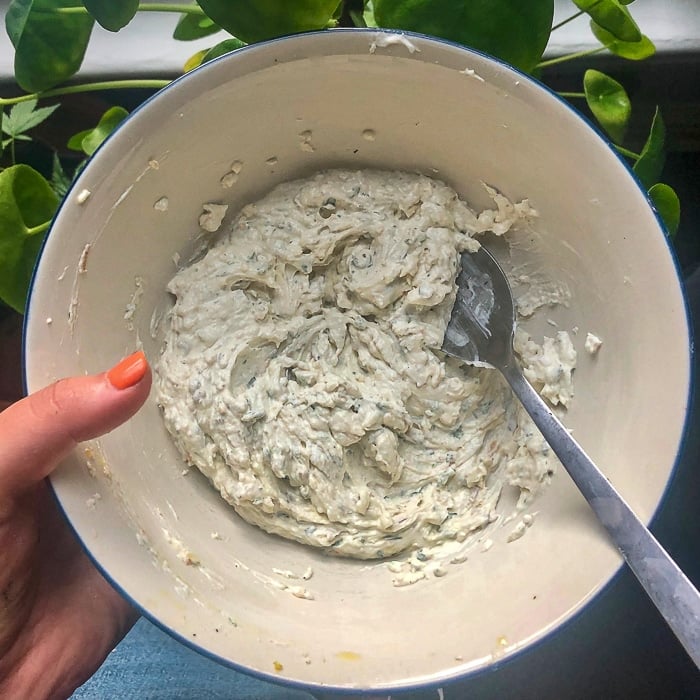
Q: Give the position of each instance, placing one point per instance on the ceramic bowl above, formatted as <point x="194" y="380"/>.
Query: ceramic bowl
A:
<point x="368" y="99"/>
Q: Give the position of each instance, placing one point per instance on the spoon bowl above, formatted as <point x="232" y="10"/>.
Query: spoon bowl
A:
<point x="481" y="327"/>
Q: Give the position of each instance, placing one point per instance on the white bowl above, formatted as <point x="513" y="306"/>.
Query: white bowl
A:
<point x="437" y="108"/>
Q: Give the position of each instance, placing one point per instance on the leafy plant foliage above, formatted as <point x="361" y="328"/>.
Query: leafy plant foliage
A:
<point x="27" y="203"/>
<point x="191" y="27"/>
<point x="256" y="20"/>
<point x="112" y="14"/>
<point x="512" y="30"/>
<point x="89" y="140"/>
<point x="613" y="17"/>
<point x="666" y="203"/>
<point x="609" y="103"/>
<point x="49" y="44"/>
<point x="50" y="38"/>
<point x="21" y="118"/>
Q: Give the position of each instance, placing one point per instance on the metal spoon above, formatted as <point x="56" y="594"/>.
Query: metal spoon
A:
<point x="480" y="332"/>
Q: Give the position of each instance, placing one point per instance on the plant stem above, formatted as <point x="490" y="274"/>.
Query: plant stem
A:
<point x="357" y="19"/>
<point x="37" y="229"/>
<point x="571" y="94"/>
<point x="180" y="8"/>
<point x="568" y="19"/>
<point x="12" y="152"/>
<point x="570" y="57"/>
<point x="627" y="152"/>
<point x="86" y="87"/>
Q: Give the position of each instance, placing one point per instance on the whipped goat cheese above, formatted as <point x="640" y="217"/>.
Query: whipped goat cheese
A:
<point x="301" y="370"/>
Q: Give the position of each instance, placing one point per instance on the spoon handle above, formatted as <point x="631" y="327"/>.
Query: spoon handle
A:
<point x="668" y="587"/>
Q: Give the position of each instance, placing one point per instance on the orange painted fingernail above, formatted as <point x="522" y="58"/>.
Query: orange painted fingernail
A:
<point x="129" y="371"/>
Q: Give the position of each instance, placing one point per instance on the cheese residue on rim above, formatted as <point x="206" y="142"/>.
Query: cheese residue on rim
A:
<point x="301" y="373"/>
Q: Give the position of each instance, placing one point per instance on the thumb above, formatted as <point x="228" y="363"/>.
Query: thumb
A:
<point x="37" y="432"/>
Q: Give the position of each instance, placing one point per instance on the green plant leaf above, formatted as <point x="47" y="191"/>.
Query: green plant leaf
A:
<point x="368" y="14"/>
<point x="192" y="27"/>
<point x="666" y="202"/>
<point x="338" y="12"/>
<point x="257" y="20"/>
<point x="653" y="156"/>
<point x="362" y="16"/>
<point x="223" y="47"/>
<point x="89" y="140"/>
<point x="358" y="18"/>
<point x="27" y="204"/>
<point x="516" y="31"/>
<point x="60" y="182"/>
<point x="19" y="137"/>
<point x="49" y="46"/>
<point x="75" y="142"/>
<point x="613" y="16"/>
<point x="609" y="102"/>
<point x="107" y="124"/>
<point x="112" y="14"/>
<point x="24" y="116"/>
<point x="194" y="61"/>
<point x="631" y="50"/>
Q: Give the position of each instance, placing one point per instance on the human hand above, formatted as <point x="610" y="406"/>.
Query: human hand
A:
<point x="58" y="617"/>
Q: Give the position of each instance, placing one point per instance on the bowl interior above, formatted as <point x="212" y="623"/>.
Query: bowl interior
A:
<point x="416" y="105"/>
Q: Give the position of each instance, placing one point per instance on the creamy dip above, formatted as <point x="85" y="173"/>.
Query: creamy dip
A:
<point x="302" y="374"/>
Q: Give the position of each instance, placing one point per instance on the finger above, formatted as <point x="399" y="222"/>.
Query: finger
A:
<point x="40" y="430"/>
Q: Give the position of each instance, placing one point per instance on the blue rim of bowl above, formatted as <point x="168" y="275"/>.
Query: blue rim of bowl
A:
<point x="535" y="644"/>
